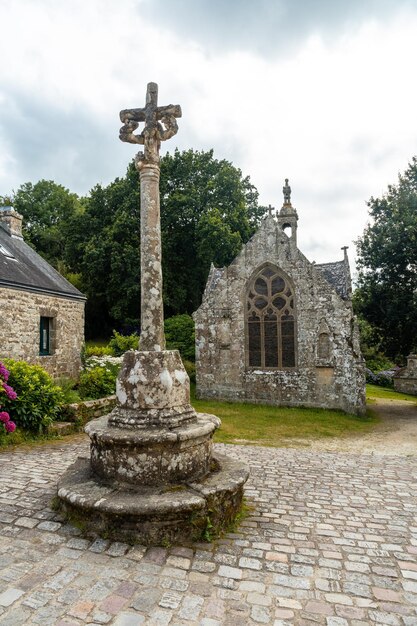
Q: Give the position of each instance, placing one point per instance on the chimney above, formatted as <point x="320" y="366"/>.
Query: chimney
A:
<point x="12" y="221"/>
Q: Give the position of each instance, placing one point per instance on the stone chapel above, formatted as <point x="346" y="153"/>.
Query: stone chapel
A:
<point x="275" y="328"/>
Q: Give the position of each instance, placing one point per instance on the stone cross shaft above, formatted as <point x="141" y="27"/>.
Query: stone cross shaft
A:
<point x="160" y="124"/>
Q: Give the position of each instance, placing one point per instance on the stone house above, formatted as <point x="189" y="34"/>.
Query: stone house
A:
<point x="276" y="328"/>
<point x="41" y="313"/>
<point x="405" y="379"/>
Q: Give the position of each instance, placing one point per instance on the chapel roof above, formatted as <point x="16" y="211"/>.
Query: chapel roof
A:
<point x="24" y="269"/>
<point x="337" y="275"/>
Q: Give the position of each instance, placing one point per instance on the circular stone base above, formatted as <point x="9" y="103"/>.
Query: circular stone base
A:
<point x="152" y="456"/>
<point x="153" y="515"/>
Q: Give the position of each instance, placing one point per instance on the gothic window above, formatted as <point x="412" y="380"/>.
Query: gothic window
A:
<point x="270" y="320"/>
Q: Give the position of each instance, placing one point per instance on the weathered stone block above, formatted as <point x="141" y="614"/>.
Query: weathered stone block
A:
<point x="153" y="515"/>
<point x="152" y="388"/>
<point x="152" y="456"/>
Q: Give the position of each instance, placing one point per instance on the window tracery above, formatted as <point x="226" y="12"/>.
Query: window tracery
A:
<point x="271" y="320"/>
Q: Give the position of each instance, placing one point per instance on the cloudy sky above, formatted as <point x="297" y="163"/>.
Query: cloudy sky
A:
<point x="320" y="91"/>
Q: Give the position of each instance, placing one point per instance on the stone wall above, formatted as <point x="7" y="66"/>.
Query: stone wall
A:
<point x="87" y="410"/>
<point x="19" y="330"/>
<point x="405" y="380"/>
<point x="337" y="381"/>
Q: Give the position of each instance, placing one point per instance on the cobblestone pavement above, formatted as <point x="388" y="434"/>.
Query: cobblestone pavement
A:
<point x="331" y="539"/>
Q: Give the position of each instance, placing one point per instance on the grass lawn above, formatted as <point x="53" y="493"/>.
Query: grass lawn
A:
<point x="270" y="425"/>
<point x="373" y="391"/>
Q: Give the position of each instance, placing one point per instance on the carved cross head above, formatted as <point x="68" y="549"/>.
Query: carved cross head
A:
<point x="160" y="125"/>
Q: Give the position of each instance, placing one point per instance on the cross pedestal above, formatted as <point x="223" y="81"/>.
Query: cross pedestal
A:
<point x="152" y="476"/>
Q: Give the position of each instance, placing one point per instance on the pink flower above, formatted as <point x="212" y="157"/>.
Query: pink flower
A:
<point x="4" y="373"/>
<point x="4" y="417"/>
<point x="10" y="392"/>
<point x="10" y="427"/>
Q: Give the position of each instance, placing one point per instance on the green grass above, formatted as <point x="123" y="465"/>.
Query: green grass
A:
<point x="22" y="438"/>
<point x="271" y="426"/>
<point x="373" y="391"/>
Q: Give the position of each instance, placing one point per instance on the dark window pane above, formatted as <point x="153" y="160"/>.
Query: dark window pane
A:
<point x="254" y="332"/>
<point x="287" y="343"/>
<point x="254" y="359"/>
<point x="44" y="335"/>
<point x="279" y="303"/>
<point x="261" y="287"/>
<point x="271" y="344"/>
<point x="278" y="285"/>
<point x="268" y="272"/>
<point x="260" y="303"/>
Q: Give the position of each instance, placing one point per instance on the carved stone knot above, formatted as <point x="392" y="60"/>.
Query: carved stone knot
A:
<point x="160" y="125"/>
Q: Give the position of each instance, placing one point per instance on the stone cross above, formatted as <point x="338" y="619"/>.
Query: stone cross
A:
<point x="160" y="124"/>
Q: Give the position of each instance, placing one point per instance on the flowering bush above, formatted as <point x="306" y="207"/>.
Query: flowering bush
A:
<point x="98" y="379"/>
<point x="39" y="398"/>
<point x="6" y="392"/>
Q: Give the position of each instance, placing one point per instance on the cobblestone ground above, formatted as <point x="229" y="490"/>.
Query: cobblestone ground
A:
<point x="331" y="539"/>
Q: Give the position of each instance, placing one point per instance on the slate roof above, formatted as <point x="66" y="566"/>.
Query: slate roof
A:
<point x="337" y="275"/>
<point x="28" y="271"/>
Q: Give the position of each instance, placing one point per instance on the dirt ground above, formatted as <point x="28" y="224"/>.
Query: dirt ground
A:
<point x="395" y="435"/>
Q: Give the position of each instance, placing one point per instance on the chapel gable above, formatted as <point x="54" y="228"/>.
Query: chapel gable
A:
<point x="274" y="327"/>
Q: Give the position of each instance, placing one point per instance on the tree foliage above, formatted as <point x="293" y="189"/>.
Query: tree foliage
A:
<point x="104" y="249"/>
<point x="387" y="262"/>
<point x="208" y="210"/>
<point x="47" y="209"/>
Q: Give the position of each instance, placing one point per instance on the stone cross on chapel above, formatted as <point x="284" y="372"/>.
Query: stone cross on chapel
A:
<point x="160" y="125"/>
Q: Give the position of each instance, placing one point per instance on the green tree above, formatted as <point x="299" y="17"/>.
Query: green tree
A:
<point x="104" y="249"/>
<point x="47" y="209"/>
<point x="387" y="263"/>
<point x="207" y="211"/>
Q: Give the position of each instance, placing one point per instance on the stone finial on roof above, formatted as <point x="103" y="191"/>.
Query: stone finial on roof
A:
<point x="286" y="190"/>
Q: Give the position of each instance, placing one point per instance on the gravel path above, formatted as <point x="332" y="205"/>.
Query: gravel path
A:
<point x="396" y="434"/>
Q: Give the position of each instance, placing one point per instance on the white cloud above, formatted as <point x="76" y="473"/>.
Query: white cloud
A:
<point x="337" y="116"/>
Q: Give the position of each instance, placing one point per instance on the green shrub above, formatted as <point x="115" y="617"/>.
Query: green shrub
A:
<point x="119" y="344"/>
<point x="99" y="351"/>
<point x="179" y="335"/>
<point x="39" y="399"/>
<point x="190" y="368"/>
<point x="97" y="382"/>
<point x="376" y="361"/>
<point x="68" y="388"/>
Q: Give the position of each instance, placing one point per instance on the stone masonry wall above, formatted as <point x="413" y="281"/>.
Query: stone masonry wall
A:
<point x="335" y="382"/>
<point x="19" y="330"/>
<point x="405" y="379"/>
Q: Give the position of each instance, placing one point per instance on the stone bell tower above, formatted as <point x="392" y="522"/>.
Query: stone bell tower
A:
<point x="287" y="217"/>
